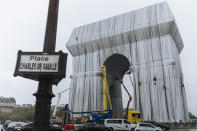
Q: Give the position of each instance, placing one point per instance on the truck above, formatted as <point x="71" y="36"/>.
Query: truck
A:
<point x="132" y="115"/>
<point x="94" y="116"/>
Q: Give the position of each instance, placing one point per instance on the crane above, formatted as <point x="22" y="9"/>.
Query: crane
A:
<point x="132" y="115"/>
<point x="130" y="71"/>
<point x="58" y="100"/>
<point x="106" y="95"/>
<point x="130" y="98"/>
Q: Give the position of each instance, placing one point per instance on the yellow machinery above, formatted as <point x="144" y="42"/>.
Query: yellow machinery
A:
<point x="98" y="116"/>
<point x="106" y="95"/>
<point x="134" y="116"/>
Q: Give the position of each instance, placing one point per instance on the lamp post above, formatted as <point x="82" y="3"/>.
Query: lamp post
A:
<point x="44" y="93"/>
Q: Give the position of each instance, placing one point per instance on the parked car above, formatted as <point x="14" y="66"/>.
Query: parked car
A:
<point x="147" y="127"/>
<point x="66" y="127"/>
<point x="119" y="124"/>
<point x="91" y="127"/>
<point x="15" y="126"/>
<point x="7" y="122"/>
<point x="161" y="125"/>
<point x="29" y="127"/>
<point x="1" y="127"/>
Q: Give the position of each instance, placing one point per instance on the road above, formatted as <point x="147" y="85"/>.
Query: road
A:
<point x="169" y="130"/>
<point x="183" y="130"/>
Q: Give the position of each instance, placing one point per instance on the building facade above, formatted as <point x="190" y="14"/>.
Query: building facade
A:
<point x="7" y="102"/>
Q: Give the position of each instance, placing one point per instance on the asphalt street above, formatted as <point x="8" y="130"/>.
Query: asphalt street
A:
<point x="170" y="130"/>
<point x="183" y="130"/>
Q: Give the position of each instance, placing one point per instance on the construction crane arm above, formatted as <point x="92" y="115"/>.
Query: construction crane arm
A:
<point x="130" y="98"/>
<point x="58" y="100"/>
<point x="64" y="91"/>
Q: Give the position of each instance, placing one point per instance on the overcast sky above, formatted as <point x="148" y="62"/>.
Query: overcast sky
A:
<point x="22" y="27"/>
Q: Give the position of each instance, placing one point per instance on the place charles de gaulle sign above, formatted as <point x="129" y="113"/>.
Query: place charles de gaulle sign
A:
<point x="37" y="65"/>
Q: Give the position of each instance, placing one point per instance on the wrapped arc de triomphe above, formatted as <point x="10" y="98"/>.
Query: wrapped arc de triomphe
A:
<point x="147" y="40"/>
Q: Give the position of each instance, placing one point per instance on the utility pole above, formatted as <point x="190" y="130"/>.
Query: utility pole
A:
<point x="44" y="93"/>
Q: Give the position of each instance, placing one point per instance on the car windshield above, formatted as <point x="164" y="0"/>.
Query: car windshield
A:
<point x="19" y="124"/>
<point x="29" y="124"/>
<point x="136" y="115"/>
<point x="146" y="125"/>
<point x="11" y="124"/>
<point x="154" y="122"/>
<point x="89" y="124"/>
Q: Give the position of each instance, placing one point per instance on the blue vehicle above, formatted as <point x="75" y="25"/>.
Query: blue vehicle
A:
<point x="99" y="116"/>
<point x="95" y="116"/>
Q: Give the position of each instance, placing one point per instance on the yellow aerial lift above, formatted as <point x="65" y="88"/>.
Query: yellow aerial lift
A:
<point x="132" y="115"/>
<point x="106" y="95"/>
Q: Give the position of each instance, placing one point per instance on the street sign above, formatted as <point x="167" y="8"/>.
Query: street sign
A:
<point x="36" y="65"/>
<point x="39" y="63"/>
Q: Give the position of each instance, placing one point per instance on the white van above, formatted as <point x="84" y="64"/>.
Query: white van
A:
<point x="119" y="124"/>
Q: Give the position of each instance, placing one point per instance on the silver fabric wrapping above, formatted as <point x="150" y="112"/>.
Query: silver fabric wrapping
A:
<point x="150" y="40"/>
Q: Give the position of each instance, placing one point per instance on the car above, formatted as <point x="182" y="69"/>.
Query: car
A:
<point x="68" y="126"/>
<point x="91" y="127"/>
<point x="119" y="124"/>
<point x="15" y="126"/>
<point x="147" y="127"/>
<point x="1" y="127"/>
<point x="161" y="125"/>
<point x="29" y="127"/>
<point x="7" y="122"/>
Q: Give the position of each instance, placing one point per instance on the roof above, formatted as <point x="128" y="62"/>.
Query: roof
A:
<point x="7" y="100"/>
<point x="152" y="21"/>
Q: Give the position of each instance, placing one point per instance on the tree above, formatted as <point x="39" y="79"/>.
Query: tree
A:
<point x="18" y="114"/>
<point x="4" y="115"/>
<point x="192" y="116"/>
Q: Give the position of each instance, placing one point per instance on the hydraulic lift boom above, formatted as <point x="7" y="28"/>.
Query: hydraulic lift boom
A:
<point x="58" y="100"/>
<point x="130" y="98"/>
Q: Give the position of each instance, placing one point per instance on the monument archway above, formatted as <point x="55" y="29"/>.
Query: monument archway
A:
<point x="149" y="39"/>
<point x="116" y="66"/>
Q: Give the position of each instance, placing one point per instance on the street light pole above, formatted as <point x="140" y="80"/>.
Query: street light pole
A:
<point x="44" y="93"/>
<point x="51" y="27"/>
